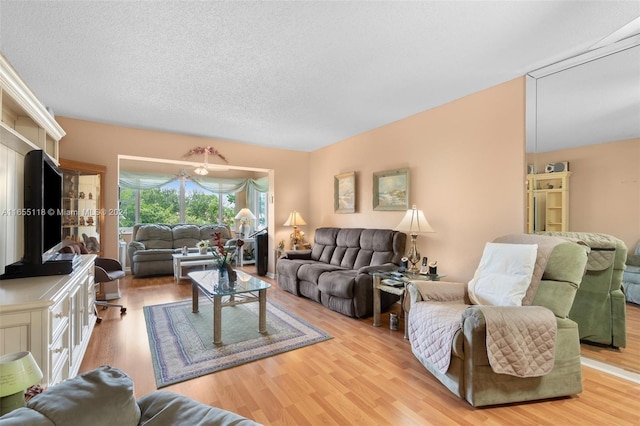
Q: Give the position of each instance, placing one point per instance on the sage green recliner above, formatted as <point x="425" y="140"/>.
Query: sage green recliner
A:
<point x="469" y="372"/>
<point x="600" y="306"/>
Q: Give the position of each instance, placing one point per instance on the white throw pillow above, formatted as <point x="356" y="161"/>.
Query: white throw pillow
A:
<point x="504" y="274"/>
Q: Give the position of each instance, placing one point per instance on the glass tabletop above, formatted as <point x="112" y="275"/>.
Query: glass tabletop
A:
<point x="406" y="276"/>
<point x="245" y="283"/>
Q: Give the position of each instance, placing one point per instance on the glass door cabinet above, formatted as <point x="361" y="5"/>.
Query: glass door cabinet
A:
<point x="82" y="203"/>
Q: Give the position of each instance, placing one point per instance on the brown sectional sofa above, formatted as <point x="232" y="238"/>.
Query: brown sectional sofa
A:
<point x="336" y="271"/>
<point x="153" y="244"/>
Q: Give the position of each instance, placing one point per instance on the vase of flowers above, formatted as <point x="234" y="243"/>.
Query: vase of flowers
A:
<point x="226" y="275"/>
<point x="203" y="246"/>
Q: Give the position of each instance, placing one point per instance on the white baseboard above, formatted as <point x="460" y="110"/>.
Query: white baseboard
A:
<point x="610" y="369"/>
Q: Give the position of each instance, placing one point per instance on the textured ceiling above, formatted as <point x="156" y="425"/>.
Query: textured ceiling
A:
<point x="297" y="75"/>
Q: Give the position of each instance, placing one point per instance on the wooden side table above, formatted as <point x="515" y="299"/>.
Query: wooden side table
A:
<point x="379" y="286"/>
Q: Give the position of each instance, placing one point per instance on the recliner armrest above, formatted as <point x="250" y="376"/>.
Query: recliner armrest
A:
<point x="386" y="267"/>
<point x="435" y="291"/>
<point x="136" y="245"/>
<point x="297" y="254"/>
<point x="442" y="291"/>
<point x="133" y="247"/>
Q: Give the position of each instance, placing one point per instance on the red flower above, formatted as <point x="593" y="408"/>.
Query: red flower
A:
<point x="217" y="242"/>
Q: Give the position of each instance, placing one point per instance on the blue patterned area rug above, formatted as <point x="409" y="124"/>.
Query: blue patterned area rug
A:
<point x="182" y="346"/>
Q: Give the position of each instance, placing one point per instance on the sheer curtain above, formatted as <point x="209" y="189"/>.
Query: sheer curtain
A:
<point x="137" y="180"/>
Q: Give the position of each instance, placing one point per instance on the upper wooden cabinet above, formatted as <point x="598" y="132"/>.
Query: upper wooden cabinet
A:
<point x="25" y="123"/>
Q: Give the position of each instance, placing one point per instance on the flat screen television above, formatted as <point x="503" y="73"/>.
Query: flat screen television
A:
<point x="42" y="214"/>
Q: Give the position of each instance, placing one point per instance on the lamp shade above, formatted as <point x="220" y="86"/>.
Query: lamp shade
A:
<point x="18" y="371"/>
<point x="245" y="214"/>
<point x="295" y="219"/>
<point x="414" y="222"/>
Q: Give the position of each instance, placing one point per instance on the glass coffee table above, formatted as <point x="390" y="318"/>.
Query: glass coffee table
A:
<point x="247" y="289"/>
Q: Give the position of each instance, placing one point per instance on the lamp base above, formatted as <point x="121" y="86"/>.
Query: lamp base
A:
<point x="413" y="255"/>
<point x="242" y="231"/>
<point x="11" y="402"/>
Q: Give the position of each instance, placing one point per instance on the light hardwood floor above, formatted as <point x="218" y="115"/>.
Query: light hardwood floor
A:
<point x="627" y="358"/>
<point x="365" y="375"/>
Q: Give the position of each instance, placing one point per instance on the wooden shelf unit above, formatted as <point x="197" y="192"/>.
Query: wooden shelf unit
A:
<point x="548" y="202"/>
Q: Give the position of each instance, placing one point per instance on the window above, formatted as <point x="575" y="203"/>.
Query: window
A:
<point x="180" y="200"/>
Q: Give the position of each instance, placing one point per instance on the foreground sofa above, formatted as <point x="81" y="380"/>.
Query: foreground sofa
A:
<point x="449" y="334"/>
<point x="600" y="307"/>
<point x="104" y="397"/>
<point x="337" y="270"/>
<point x="153" y="244"/>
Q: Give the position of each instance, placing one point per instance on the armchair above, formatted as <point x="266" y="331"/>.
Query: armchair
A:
<point x="525" y="348"/>
<point x="599" y="308"/>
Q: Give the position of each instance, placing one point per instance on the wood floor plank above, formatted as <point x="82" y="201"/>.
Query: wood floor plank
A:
<point x="364" y="375"/>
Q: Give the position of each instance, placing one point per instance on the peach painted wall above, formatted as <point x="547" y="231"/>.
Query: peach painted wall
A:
<point x="99" y="143"/>
<point x="450" y="150"/>
<point x="466" y="161"/>
<point x="604" y="187"/>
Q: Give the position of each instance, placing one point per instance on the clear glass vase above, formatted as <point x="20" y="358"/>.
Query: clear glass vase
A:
<point x="223" y="277"/>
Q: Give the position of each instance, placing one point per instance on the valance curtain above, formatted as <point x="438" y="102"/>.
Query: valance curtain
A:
<point x="135" y="180"/>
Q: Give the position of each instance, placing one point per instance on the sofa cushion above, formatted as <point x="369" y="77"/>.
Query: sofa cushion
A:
<point x="162" y="408"/>
<point x="154" y="255"/>
<point x="376" y="247"/>
<point x="155" y="236"/>
<point x="503" y="275"/>
<point x="25" y="416"/>
<point x="207" y="231"/>
<point x="103" y="396"/>
<point x="185" y="235"/>
<point x="324" y="244"/>
<point x="338" y="283"/>
<point x="312" y="271"/>
<point x="348" y="246"/>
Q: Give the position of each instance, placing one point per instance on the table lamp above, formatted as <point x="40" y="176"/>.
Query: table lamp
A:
<point x="244" y="216"/>
<point x="414" y="222"/>
<point x="295" y="219"/>
<point x="18" y="371"/>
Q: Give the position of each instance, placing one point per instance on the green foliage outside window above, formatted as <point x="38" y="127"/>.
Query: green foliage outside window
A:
<point x="127" y="207"/>
<point x="201" y="208"/>
<point x="163" y="206"/>
<point x="159" y="206"/>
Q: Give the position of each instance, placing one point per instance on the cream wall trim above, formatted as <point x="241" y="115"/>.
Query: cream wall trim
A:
<point x="13" y="85"/>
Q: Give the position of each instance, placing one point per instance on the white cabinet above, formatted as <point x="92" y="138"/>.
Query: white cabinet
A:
<point x="51" y="317"/>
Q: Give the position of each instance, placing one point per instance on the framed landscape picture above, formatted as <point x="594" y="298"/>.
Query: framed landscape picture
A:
<point x="391" y="190"/>
<point x="344" y="193"/>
